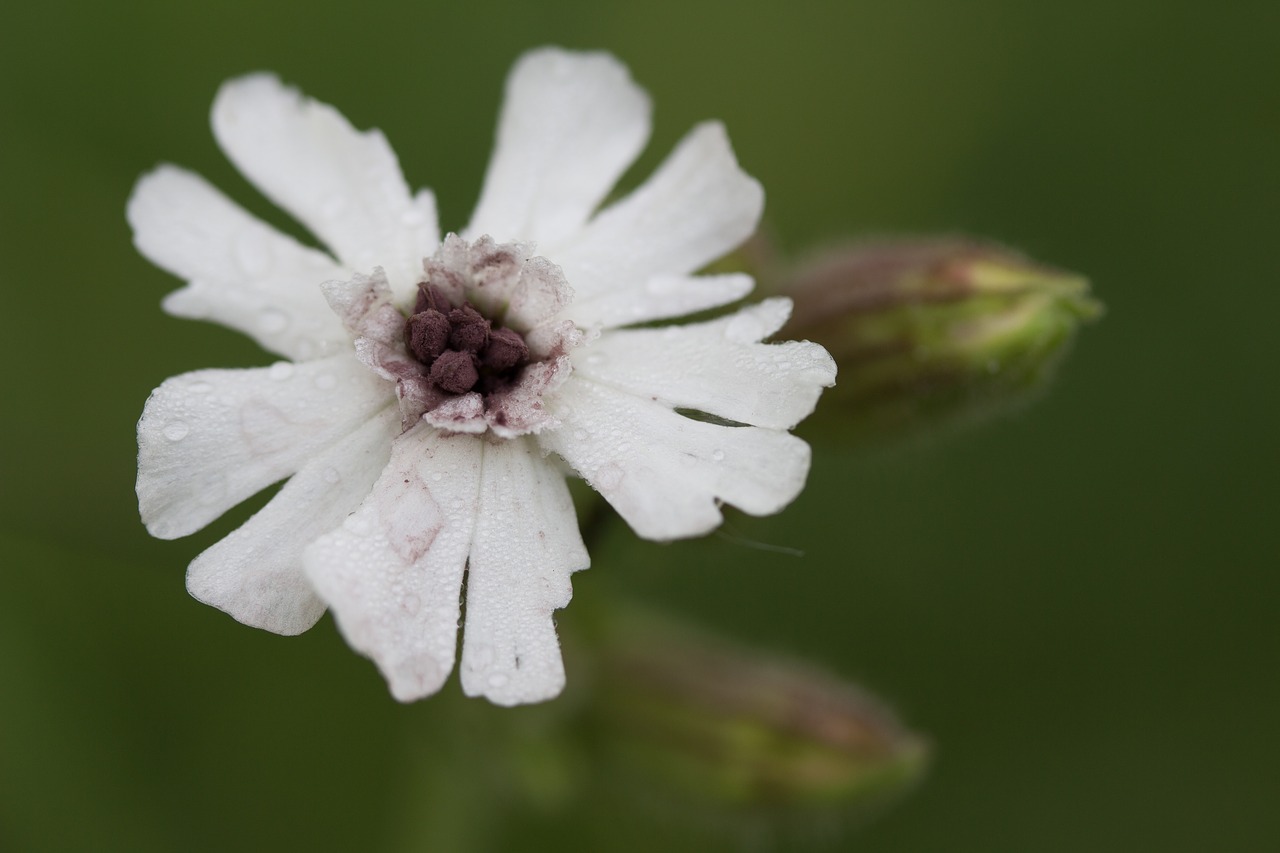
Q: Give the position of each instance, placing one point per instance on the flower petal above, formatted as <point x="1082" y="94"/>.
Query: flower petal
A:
<point x="255" y="573"/>
<point x="660" y="298"/>
<point x="209" y="439"/>
<point x="344" y="185"/>
<point x="667" y="474"/>
<point x="392" y="572"/>
<point x="241" y="272"/>
<point x="526" y="544"/>
<point x="719" y="367"/>
<point x="571" y="124"/>
<point x="695" y="208"/>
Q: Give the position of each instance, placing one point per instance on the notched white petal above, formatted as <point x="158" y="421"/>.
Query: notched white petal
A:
<point x="571" y="124"/>
<point x="525" y="547"/>
<point x="209" y="439"/>
<point x="343" y="184"/>
<point x="392" y="571"/>
<point x="718" y="367"/>
<point x="695" y="208"/>
<point x="667" y="474"/>
<point x="240" y="272"/>
<point x="255" y="572"/>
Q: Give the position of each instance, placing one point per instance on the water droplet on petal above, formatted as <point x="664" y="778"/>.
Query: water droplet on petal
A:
<point x="273" y="320"/>
<point x="607" y="477"/>
<point x="717" y="456"/>
<point x="280" y="371"/>
<point x="580" y="435"/>
<point x="596" y="359"/>
<point x="326" y="381"/>
<point x="175" y="430"/>
<point x="331" y="475"/>
<point x="199" y="387"/>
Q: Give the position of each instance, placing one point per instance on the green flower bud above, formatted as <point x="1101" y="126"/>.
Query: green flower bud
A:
<point x="932" y="331"/>
<point x="725" y="728"/>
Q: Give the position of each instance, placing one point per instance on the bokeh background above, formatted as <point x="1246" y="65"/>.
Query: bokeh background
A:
<point x="1075" y="603"/>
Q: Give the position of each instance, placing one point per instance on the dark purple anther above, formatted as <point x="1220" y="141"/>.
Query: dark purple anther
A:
<point x="455" y="372"/>
<point x="431" y="296"/>
<point x="506" y="350"/>
<point x="470" y="330"/>
<point x="427" y="335"/>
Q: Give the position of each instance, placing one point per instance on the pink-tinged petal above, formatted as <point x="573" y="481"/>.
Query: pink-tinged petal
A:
<point x="694" y="209"/>
<point x="240" y="272"/>
<point x="571" y="124"/>
<point x="526" y="545"/>
<point x="209" y="439"/>
<point x="392" y="572"/>
<point x="343" y="184"/>
<point x="255" y="572"/>
<point x="660" y="298"/>
<point x="667" y="474"/>
<point x="718" y="367"/>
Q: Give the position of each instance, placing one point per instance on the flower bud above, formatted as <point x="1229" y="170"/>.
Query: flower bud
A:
<point x="726" y="728"/>
<point x="932" y="331"/>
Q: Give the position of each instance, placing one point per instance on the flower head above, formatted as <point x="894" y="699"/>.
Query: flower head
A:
<point x="432" y="393"/>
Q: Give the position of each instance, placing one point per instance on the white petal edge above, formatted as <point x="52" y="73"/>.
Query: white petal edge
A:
<point x="695" y="208"/>
<point x="255" y="572"/>
<point x="209" y="439"/>
<point x="571" y="124"/>
<point x="344" y="185"/>
<point x="662" y="297"/>
<point x="392" y="571"/>
<point x="718" y="367"/>
<point x="667" y="474"/>
<point x="240" y="272"/>
<point x="525" y="547"/>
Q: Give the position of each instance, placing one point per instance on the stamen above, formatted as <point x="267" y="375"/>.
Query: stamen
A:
<point x="427" y="335"/>
<point x="455" y="372"/>
<point x="506" y="349"/>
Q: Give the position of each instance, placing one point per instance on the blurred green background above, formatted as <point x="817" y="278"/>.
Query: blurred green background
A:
<point x="1076" y="604"/>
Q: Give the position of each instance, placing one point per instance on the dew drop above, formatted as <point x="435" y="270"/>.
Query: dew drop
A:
<point x="326" y="381"/>
<point x="580" y="435"/>
<point x="272" y="320"/>
<point x="199" y="387"/>
<point x="176" y="430"/>
<point x="607" y="477"/>
<point x="717" y="456"/>
<point x="596" y="359"/>
<point x="280" y="371"/>
<point x="331" y="475"/>
<point x="436" y="476"/>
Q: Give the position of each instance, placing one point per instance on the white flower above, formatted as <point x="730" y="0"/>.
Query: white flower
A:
<point x="417" y="449"/>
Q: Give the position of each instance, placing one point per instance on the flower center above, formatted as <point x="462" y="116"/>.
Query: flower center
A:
<point x="461" y="348"/>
